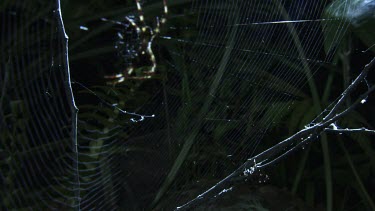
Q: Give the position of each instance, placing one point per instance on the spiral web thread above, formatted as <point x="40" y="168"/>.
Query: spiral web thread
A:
<point x="261" y="51"/>
<point x="39" y="166"/>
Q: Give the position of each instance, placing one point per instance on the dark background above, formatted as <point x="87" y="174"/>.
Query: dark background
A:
<point x="125" y="158"/>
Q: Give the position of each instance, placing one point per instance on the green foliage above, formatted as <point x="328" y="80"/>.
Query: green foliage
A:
<point x="304" y="176"/>
<point x="360" y="27"/>
<point x="359" y="13"/>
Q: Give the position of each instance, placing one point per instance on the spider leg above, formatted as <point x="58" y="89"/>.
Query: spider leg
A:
<point x="153" y="32"/>
<point x="164" y="19"/>
<point x="119" y="78"/>
<point x="152" y="55"/>
<point x="140" y="12"/>
<point x="119" y="75"/>
<point x="147" y="35"/>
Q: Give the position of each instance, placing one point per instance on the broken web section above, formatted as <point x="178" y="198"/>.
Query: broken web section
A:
<point x="37" y="114"/>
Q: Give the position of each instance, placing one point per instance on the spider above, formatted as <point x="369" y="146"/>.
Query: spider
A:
<point x="143" y="35"/>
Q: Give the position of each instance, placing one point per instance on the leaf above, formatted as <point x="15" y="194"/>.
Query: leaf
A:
<point x="358" y="13"/>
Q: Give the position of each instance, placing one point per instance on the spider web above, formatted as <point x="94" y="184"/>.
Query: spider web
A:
<point x="228" y="72"/>
<point x="39" y="156"/>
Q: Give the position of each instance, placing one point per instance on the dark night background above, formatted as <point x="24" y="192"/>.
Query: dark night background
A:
<point x="132" y="135"/>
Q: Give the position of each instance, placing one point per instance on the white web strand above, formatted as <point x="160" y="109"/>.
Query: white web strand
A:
<point x="232" y="70"/>
<point x="294" y="142"/>
<point x="74" y="109"/>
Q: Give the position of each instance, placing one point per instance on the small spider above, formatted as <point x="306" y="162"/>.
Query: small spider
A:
<point x="144" y="36"/>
